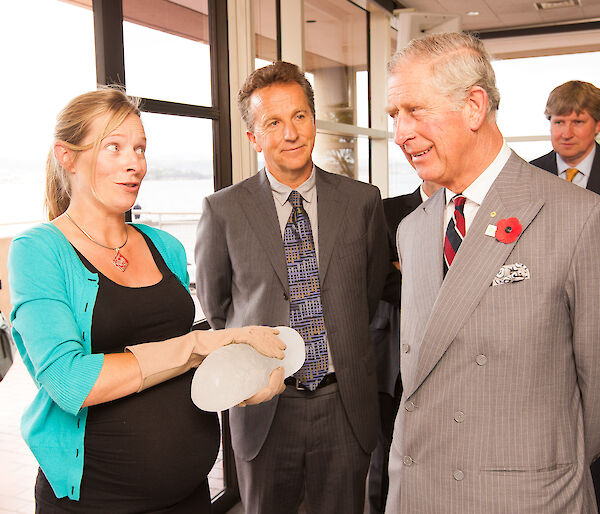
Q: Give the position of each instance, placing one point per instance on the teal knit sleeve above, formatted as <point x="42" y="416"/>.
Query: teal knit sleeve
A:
<point x="54" y="346"/>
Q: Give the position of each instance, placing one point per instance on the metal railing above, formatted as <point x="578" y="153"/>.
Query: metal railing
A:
<point x="193" y="217"/>
<point x="157" y="218"/>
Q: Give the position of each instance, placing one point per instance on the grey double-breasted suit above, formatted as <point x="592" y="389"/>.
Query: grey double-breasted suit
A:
<point x="501" y="405"/>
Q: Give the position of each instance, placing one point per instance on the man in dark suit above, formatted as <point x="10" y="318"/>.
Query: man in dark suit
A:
<point x="295" y="245"/>
<point x="573" y="109"/>
<point x="385" y="333"/>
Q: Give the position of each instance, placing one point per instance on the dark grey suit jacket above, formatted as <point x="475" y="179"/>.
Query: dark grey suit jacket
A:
<point x="548" y="162"/>
<point x="242" y="280"/>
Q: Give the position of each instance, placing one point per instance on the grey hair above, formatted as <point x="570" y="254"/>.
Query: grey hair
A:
<point x="457" y="62"/>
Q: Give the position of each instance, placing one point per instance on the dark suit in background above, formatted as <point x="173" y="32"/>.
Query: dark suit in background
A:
<point x="548" y="162"/>
<point x="385" y="334"/>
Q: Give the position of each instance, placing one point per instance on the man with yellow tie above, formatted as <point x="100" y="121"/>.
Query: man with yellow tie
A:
<point x="573" y="109"/>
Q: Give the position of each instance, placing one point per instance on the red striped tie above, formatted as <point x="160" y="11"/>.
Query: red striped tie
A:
<point x="455" y="232"/>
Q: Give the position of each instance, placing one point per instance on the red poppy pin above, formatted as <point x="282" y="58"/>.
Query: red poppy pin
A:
<point x="508" y="230"/>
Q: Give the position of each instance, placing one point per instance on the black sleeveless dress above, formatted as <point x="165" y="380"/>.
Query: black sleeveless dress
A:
<point x="148" y="452"/>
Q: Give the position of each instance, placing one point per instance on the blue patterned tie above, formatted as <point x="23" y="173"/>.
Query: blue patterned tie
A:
<point x="306" y="312"/>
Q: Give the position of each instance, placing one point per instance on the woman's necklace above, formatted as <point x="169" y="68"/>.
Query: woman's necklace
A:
<point x="119" y="261"/>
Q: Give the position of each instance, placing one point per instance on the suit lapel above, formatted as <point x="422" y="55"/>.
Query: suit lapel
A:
<point x="430" y="251"/>
<point x="331" y="211"/>
<point x="412" y="201"/>
<point x="553" y="167"/>
<point x="594" y="179"/>
<point x="476" y="263"/>
<point x="259" y="207"/>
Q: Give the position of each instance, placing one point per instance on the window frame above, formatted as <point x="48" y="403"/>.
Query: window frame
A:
<point x="110" y="69"/>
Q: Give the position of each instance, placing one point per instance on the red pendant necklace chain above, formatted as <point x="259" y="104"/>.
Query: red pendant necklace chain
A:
<point x="118" y="260"/>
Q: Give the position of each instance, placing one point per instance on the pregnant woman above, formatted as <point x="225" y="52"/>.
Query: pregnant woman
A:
<point x="102" y="318"/>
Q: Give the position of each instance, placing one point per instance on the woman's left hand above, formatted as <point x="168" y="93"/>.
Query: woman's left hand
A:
<point x="275" y="386"/>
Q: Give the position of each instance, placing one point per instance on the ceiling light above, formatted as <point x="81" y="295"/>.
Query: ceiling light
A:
<point x="473" y="13"/>
<point x="556" y="4"/>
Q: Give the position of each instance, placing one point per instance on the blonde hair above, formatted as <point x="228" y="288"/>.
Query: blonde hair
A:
<point x="72" y="127"/>
<point x="457" y="62"/>
<point x="574" y="96"/>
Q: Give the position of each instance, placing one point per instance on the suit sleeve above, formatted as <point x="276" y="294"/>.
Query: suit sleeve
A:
<point x="378" y="254"/>
<point x="213" y="267"/>
<point x="583" y="290"/>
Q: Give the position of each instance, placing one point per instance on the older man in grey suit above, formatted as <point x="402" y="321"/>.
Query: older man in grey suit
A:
<point x="295" y="245"/>
<point x="500" y="301"/>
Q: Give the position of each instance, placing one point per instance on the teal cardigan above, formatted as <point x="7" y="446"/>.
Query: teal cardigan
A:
<point x="53" y="295"/>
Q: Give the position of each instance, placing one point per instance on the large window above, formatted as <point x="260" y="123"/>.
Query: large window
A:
<point x="335" y="57"/>
<point x="40" y="78"/>
<point x="403" y="178"/>
<point x="176" y="77"/>
<point x="266" y="47"/>
<point x="172" y="54"/>
<point x="521" y="115"/>
<point x="265" y="32"/>
<point x="180" y="175"/>
<point x="178" y="66"/>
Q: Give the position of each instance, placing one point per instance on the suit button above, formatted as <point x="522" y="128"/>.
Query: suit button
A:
<point x="410" y="406"/>
<point x="407" y="460"/>
<point x="458" y="475"/>
<point x="481" y="360"/>
<point x="405" y="348"/>
<point x="459" y="416"/>
<point x="285" y="297"/>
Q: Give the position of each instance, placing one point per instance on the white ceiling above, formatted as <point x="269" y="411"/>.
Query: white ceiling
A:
<point x="507" y="14"/>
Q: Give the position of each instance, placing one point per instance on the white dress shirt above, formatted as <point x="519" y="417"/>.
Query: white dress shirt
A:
<point x="584" y="167"/>
<point x="308" y="191"/>
<point x="476" y="192"/>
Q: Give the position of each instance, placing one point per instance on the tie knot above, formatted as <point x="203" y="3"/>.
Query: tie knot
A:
<point x="571" y="172"/>
<point x="295" y="199"/>
<point x="459" y="201"/>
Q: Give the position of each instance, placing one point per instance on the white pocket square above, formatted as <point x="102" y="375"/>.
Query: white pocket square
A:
<point x="511" y="273"/>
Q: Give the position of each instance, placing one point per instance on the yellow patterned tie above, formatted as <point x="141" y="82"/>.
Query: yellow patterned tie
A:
<point x="571" y="172"/>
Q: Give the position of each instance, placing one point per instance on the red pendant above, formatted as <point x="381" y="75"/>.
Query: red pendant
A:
<point x="119" y="261"/>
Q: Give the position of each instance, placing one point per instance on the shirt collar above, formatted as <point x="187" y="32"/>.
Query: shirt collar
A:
<point x="584" y="167"/>
<point x="281" y="192"/>
<point x="481" y="185"/>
